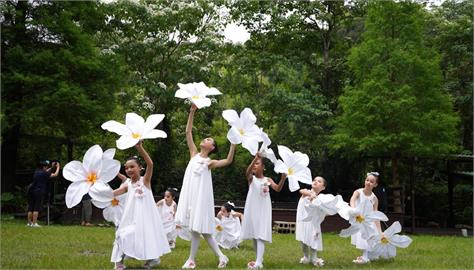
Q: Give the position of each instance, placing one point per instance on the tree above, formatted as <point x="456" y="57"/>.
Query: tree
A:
<point x="54" y="80"/>
<point x="395" y="105"/>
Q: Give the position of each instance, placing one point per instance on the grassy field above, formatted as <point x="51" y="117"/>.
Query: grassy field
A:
<point x="75" y="247"/>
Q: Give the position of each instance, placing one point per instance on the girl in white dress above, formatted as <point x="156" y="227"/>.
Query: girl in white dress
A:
<point x="257" y="222"/>
<point x="167" y="209"/>
<point x="140" y="234"/>
<point x="228" y="226"/>
<point x="195" y="210"/>
<point x="360" y="196"/>
<point x="312" y="208"/>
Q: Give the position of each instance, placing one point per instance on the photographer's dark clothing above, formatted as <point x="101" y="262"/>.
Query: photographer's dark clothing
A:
<point x="37" y="191"/>
<point x="40" y="181"/>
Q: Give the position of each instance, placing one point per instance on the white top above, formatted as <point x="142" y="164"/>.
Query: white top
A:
<point x="356" y="239"/>
<point x="257" y="220"/>
<point x="140" y="234"/>
<point x="167" y="214"/>
<point x="196" y="203"/>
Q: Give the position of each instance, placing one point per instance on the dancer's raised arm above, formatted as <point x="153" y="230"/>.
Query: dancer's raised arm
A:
<point x="248" y="172"/>
<point x="149" y="164"/>
<point x="189" y="132"/>
<point x="223" y="162"/>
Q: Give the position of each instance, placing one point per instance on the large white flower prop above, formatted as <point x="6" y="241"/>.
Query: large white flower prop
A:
<point x="243" y="129"/>
<point x="93" y="173"/>
<point x="264" y="150"/>
<point x="385" y="246"/>
<point x="196" y="93"/>
<point x="295" y="166"/>
<point x="135" y="129"/>
<point x="327" y="204"/>
<point x="362" y="220"/>
<point x="113" y="205"/>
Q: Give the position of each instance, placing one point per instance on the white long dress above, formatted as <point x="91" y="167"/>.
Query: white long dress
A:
<point x="310" y="215"/>
<point x="140" y="234"/>
<point x="196" y="203"/>
<point x="228" y="231"/>
<point x="167" y="214"/>
<point x="357" y="238"/>
<point x="257" y="221"/>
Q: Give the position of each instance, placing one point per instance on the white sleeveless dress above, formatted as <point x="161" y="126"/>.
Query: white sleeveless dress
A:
<point x="167" y="215"/>
<point x="257" y="221"/>
<point x="357" y="239"/>
<point x="140" y="234"/>
<point x="228" y="231"/>
<point x="196" y="202"/>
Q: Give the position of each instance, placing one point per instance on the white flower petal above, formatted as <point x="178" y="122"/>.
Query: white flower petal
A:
<point x="248" y="117"/>
<point x="92" y="160"/>
<point x="280" y="167"/>
<point x="231" y="116"/>
<point x="110" y="169"/>
<point x="75" y="192"/>
<point x="349" y="231"/>
<point x="134" y="122"/>
<point x="74" y="171"/>
<point x="401" y="241"/>
<point x="285" y="153"/>
<point x="154" y="133"/>
<point x="201" y="102"/>
<point x="101" y="192"/>
<point x="304" y="176"/>
<point x="213" y="91"/>
<point x="293" y="184"/>
<point x="376" y="215"/>
<point x="393" y="229"/>
<point x="265" y="139"/>
<point x="250" y="144"/>
<point x="116" y="127"/>
<point x="125" y="142"/>
<point x="182" y="93"/>
<point x="109" y="153"/>
<point x="234" y="136"/>
<point x="152" y="121"/>
<point x="300" y="160"/>
<point x="100" y="204"/>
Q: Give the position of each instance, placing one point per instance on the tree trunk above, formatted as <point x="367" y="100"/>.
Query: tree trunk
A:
<point x="397" y="203"/>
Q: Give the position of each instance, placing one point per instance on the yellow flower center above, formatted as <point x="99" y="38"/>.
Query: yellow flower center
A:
<point x="91" y="178"/>
<point x="195" y="97"/>
<point x="241" y="131"/>
<point x="360" y="219"/>
<point x="384" y="240"/>
<point x="291" y="171"/>
<point x="136" y="135"/>
<point x="114" y="202"/>
<point x="219" y="228"/>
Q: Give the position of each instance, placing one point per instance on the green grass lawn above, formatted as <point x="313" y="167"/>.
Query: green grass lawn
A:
<point x="75" y="247"/>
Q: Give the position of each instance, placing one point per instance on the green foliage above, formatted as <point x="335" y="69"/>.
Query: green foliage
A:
<point x="395" y="104"/>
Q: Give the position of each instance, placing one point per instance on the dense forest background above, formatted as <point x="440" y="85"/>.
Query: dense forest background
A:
<point x="357" y="85"/>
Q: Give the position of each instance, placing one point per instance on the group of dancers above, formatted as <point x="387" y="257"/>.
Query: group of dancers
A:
<point x="148" y="230"/>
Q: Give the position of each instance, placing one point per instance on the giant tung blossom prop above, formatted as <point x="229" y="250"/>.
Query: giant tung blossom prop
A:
<point x="361" y="219"/>
<point x="135" y="129"/>
<point x="243" y="129"/>
<point x="92" y="174"/>
<point x="295" y="166"/>
<point x="385" y="246"/>
<point x="113" y="205"/>
<point x="196" y="93"/>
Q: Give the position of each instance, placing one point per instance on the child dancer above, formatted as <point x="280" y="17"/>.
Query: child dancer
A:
<point x="362" y="196"/>
<point x="311" y="211"/>
<point x="228" y="226"/>
<point x="167" y="208"/>
<point x="257" y="223"/>
<point x="195" y="210"/>
<point x="140" y="234"/>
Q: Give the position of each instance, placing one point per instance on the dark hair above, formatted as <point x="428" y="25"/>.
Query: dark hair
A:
<point x="325" y="183"/>
<point x="215" y="150"/>
<point x="375" y="175"/>
<point x="228" y="207"/>
<point x="173" y="191"/>
<point x="136" y="159"/>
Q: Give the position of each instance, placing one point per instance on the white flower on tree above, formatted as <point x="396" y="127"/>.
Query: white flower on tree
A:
<point x="295" y="166"/>
<point x="196" y="93"/>
<point x="243" y="129"/>
<point x="135" y="129"/>
<point x="92" y="174"/>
